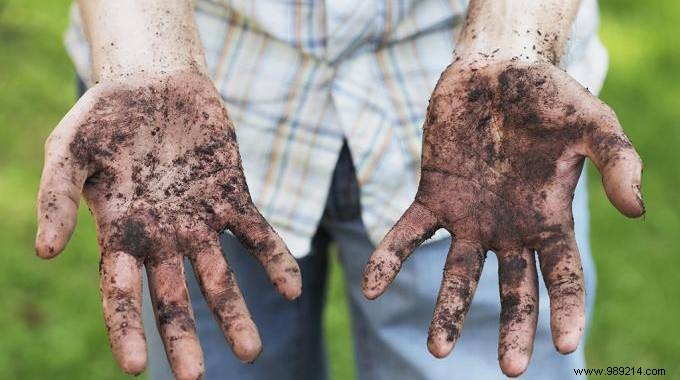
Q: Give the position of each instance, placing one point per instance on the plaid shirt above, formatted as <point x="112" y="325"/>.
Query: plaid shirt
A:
<point x="301" y="76"/>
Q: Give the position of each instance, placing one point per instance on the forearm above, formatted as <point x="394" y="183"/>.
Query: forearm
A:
<point x="130" y="37"/>
<point x="525" y="30"/>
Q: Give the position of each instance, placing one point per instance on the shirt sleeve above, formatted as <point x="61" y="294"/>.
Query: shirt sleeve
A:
<point x="77" y="46"/>
<point x="586" y="58"/>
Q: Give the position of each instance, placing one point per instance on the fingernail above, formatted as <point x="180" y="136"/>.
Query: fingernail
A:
<point x="638" y="194"/>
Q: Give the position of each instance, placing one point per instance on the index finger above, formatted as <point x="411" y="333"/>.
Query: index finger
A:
<point x="563" y="276"/>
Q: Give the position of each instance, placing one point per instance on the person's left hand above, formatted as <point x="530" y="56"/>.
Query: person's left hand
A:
<point x="504" y="145"/>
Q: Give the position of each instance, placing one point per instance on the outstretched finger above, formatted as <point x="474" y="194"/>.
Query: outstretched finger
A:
<point x="563" y="276"/>
<point x="616" y="159"/>
<point x="61" y="184"/>
<point x="174" y="317"/>
<point x="121" y="289"/>
<point x="416" y="225"/>
<point x="59" y="195"/>
<point x="260" y="239"/>
<point x="461" y="274"/>
<point x="519" y="309"/>
<point x="226" y="301"/>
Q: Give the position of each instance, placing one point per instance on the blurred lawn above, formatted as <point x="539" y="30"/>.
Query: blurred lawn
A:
<point x="50" y="318"/>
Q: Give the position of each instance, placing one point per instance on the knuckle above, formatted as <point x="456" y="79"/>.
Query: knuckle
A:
<point x="567" y="286"/>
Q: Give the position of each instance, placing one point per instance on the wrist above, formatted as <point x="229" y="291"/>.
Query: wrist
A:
<point x="127" y="65"/>
<point x="481" y="51"/>
<point x="519" y="30"/>
<point x="151" y="37"/>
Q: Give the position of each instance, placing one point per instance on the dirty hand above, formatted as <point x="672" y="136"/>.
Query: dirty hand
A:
<point x="157" y="162"/>
<point x="504" y="145"/>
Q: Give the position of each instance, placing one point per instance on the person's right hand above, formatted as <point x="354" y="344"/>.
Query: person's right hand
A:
<point x="157" y="161"/>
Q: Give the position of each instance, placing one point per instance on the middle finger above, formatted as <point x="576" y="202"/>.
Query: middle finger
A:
<point x="519" y="309"/>
<point x="174" y="317"/>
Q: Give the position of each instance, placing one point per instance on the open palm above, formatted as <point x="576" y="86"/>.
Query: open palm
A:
<point x="503" y="149"/>
<point x="158" y="164"/>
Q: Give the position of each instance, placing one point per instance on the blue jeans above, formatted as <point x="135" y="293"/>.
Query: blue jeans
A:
<point x="390" y="333"/>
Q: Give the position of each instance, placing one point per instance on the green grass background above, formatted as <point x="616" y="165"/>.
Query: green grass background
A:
<point x="50" y="318"/>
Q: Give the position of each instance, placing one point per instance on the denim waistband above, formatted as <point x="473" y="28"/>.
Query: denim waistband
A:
<point x="343" y="196"/>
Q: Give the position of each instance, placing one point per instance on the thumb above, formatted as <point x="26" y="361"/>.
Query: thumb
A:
<point x="619" y="164"/>
<point x="61" y="184"/>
